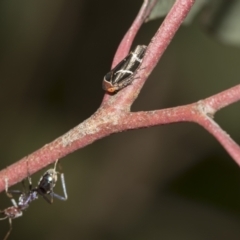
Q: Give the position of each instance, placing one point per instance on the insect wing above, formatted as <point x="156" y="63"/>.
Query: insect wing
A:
<point x="132" y="62"/>
<point x="136" y="58"/>
<point x="122" y="70"/>
<point x="110" y="76"/>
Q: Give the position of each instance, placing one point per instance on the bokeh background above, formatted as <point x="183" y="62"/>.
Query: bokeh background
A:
<point x="167" y="182"/>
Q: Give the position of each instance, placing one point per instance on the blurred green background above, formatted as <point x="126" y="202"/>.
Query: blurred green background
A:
<point x="167" y="182"/>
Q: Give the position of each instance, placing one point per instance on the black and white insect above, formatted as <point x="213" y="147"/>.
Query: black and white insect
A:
<point x="44" y="188"/>
<point x="123" y="74"/>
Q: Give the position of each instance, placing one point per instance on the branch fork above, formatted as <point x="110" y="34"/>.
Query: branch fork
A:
<point x="114" y="113"/>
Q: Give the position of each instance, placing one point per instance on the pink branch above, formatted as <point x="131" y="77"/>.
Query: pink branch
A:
<point x="201" y="112"/>
<point x="224" y="98"/>
<point x="114" y="116"/>
<point x="188" y="113"/>
<point x="127" y="40"/>
<point x="229" y="145"/>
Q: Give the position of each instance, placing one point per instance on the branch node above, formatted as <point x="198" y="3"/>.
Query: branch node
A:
<point x="205" y="109"/>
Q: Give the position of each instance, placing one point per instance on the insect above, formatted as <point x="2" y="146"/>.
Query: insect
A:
<point x="12" y="212"/>
<point x="48" y="181"/>
<point x="123" y="74"/>
<point x="44" y="188"/>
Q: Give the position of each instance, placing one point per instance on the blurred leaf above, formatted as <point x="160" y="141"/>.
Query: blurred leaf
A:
<point x="221" y="19"/>
<point x="161" y="9"/>
<point x="163" y="6"/>
<point x="197" y="7"/>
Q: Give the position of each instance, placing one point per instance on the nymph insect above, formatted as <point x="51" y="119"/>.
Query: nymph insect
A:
<point x="123" y="74"/>
<point x="44" y="188"/>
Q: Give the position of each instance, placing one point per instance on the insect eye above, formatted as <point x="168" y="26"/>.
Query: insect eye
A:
<point x="108" y="76"/>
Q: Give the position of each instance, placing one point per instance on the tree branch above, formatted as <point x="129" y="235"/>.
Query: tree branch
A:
<point x="114" y="113"/>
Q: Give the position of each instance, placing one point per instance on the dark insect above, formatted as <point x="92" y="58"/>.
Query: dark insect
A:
<point x="44" y="188"/>
<point x="47" y="182"/>
<point x="123" y="74"/>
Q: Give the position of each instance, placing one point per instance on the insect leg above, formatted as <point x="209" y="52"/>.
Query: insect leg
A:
<point x="65" y="197"/>
<point x="6" y="189"/>
<point x="10" y="229"/>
